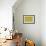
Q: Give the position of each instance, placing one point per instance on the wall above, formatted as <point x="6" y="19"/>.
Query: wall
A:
<point x="30" y="31"/>
<point x="43" y="22"/>
<point x="6" y="13"/>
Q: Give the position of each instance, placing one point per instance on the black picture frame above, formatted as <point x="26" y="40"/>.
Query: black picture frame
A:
<point x="33" y="16"/>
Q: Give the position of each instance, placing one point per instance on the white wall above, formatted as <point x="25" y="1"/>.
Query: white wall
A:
<point x="43" y="22"/>
<point x="6" y="13"/>
<point x="31" y="31"/>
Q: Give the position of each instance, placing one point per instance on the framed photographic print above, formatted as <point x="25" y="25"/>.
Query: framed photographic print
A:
<point x="28" y="19"/>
